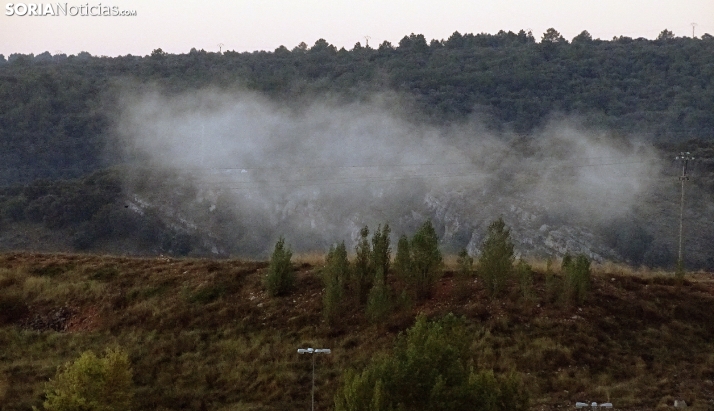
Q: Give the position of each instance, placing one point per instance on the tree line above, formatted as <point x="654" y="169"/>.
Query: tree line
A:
<point x="55" y="110"/>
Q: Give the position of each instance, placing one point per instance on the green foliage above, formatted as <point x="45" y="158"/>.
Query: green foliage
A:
<point x="524" y="272"/>
<point x="552" y="36"/>
<point x="496" y="259"/>
<point x="378" y="302"/>
<point x="56" y="122"/>
<point x="381" y="250"/>
<point x="577" y="277"/>
<point x="403" y="259"/>
<point x="665" y="35"/>
<point x="335" y="277"/>
<point x="426" y="260"/>
<point x="429" y="369"/>
<point x="280" y="277"/>
<point x="363" y="273"/>
<point x="91" y="383"/>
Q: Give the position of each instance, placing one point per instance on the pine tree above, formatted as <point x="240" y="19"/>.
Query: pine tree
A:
<point x="363" y="268"/>
<point x="280" y="277"/>
<point x="335" y="278"/>
<point x="403" y="259"/>
<point x="496" y="259"/>
<point x="378" y="302"/>
<point x="381" y="251"/>
<point x="577" y="277"/>
<point x="426" y="260"/>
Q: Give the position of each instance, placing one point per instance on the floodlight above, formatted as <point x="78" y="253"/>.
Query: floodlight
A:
<point x="311" y="350"/>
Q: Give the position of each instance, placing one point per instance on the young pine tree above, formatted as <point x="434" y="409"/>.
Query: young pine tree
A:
<point x="381" y="251"/>
<point x="335" y="278"/>
<point x="577" y="277"/>
<point x="426" y="260"/>
<point x="496" y="260"/>
<point x="403" y="259"/>
<point x="378" y="302"/>
<point x="280" y="277"/>
<point x="363" y="268"/>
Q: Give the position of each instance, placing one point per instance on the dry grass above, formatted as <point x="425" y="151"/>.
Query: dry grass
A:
<point x="313" y="258"/>
<point x="203" y="335"/>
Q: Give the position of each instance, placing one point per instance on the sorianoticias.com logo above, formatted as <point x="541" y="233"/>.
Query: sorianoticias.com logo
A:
<point x="65" y="9"/>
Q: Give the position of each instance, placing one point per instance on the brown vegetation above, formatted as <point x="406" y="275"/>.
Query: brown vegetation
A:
<point x="203" y="334"/>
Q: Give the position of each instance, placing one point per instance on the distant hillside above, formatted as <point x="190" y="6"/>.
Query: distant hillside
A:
<point x="203" y="335"/>
<point x="57" y="112"/>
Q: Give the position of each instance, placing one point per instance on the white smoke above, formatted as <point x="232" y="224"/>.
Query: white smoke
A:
<point x="317" y="172"/>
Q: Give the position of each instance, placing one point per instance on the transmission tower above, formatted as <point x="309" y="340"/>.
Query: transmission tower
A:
<point x="684" y="158"/>
<point x="693" y="26"/>
<point x="366" y="40"/>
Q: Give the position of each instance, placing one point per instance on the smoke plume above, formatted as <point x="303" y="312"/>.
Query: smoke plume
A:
<point x="239" y="164"/>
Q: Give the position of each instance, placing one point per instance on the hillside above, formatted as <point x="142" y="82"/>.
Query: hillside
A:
<point x="203" y="335"/>
<point x="58" y="113"/>
<point x="204" y="154"/>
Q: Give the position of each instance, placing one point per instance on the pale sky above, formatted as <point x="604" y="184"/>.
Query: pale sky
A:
<point x="247" y="25"/>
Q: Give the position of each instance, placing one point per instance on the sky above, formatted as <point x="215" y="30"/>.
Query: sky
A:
<point x="176" y="26"/>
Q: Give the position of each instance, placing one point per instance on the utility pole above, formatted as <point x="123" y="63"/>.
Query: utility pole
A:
<point x="684" y="158"/>
<point x="693" y="26"/>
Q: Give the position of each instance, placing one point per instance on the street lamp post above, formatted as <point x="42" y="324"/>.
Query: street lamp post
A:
<point x="313" y="351"/>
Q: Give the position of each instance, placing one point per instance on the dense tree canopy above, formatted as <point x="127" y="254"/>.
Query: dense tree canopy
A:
<point x="55" y="110"/>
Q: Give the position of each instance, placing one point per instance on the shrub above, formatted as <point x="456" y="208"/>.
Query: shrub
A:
<point x="429" y="369"/>
<point x="280" y="277"/>
<point x="92" y="383"/>
<point x="335" y="278"/>
<point x="496" y="259"/>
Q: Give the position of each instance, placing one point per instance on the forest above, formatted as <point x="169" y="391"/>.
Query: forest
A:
<point x="58" y="123"/>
